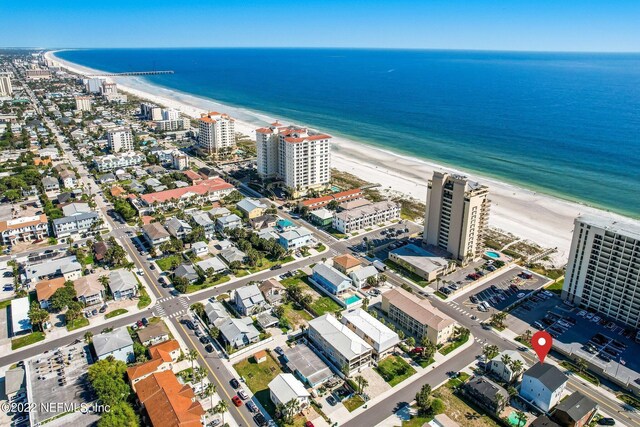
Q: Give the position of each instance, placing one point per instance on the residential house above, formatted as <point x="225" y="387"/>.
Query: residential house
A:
<point x="67" y="267"/>
<point x="544" y="421"/>
<point x="238" y="333"/>
<point x="213" y="263"/>
<point x="178" y="228"/>
<point x="154" y="333"/>
<point x="382" y="339"/>
<point x="204" y="192"/>
<point x="89" y="290"/>
<point x="487" y="394"/>
<point x="228" y="222"/>
<point x="216" y="313"/>
<point x="167" y="403"/>
<point x="204" y="220"/>
<point x="330" y="279"/>
<point x="361" y="276"/>
<point x="24" y="229"/>
<point x="248" y="300"/>
<point x="155" y="234"/>
<point x="116" y="343"/>
<point x="322" y="217"/>
<point x="49" y="183"/>
<point x="273" y="291"/>
<point x="68" y="178"/>
<point x="123" y="284"/>
<point x="543" y="385"/>
<point x="163" y="356"/>
<point x="186" y="271"/>
<point x="20" y="322"/>
<point x="263" y="221"/>
<point x="200" y="249"/>
<point x="100" y="250"/>
<point x="503" y="371"/>
<point x="295" y="238"/>
<point x="46" y="288"/>
<point x="577" y="410"/>
<point x="251" y="208"/>
<point x="416" y="316"/>
<point x="75" y="224"/>
<point x="217" y="212"/>
<point x="285" y="388"/>
<point x="346" y="263"/>
<point x="307" y="365"/>
<point x="233" y="254"/>
<point x="339" y="344"/>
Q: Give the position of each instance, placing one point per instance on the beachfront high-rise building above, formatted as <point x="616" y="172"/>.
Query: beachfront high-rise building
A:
<point x="603" y="272"/>
<point x="83" y="103"/>
<point x="150" y="111"/>
<point x="170" y="114"/>
<point x="456" y="216"/>
<point x="119" y="140"/>
<point x="5" y="84"/>
<point x="217" y="133"/>
<point x="94" y="85"/>
<point x="109" y="88"/>
<point x="298" y="157"/>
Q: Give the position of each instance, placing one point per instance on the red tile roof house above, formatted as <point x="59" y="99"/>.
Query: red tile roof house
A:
<point x="163" y="356"/>
<point x="205" y="192"/>
<point x="321" y="202"/>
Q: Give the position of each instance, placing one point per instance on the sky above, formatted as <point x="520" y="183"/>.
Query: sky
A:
<point x="534" y="25"/>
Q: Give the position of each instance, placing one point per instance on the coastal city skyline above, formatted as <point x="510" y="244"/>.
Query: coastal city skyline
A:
<point x="437" y="228"/>
<point x="569" y="26"/>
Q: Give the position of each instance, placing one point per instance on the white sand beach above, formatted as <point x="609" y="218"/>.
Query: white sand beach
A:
<point x="543" y="219"/>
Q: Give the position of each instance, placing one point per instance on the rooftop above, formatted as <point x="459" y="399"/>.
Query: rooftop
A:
<point x="111" y="341"/>
<point x="382" y="337"/>
<point x="346" y="261"/>
<point x="417" y="256"/>
<point x="286" y="387"/>
<point x="343" y="339"/>
<point x="418" y="309"/>
<point x="550" y="376"/>
<point x="302" y="359"/>
<point x="204" y="187"/>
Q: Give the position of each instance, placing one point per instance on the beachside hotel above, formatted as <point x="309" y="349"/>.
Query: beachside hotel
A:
<point x="296" y="156"/>
<point x="217" y="133"/>
<point x="457" y="215"/>
<point x="603" y="272"/>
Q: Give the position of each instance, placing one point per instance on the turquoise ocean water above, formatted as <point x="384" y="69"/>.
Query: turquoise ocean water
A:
<point x="561" y="123"/>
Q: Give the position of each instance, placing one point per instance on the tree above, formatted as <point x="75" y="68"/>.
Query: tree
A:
<point x="198" y="309"/>
<point x="73" y="312"/>
<point x="526" y="337"/>
<point x="361" y="382"/>
<point x="521" y="417"/>
<point x="437" y="406"/>
<point x="365" y="303"/>
<point x="428" y="348"/>
<point x="38" y="316"/>
<point x="88" y="337"/>
<point x="192" y="356"/>
<point x="107" y="380"/>
<point x="121" y="414"/>
<point x="372" y="281"/>
<point x="490" y="351"/>
<point x="401" y="334"/>
<point x="411" y="342"/>
<point x="214" y="332"/>
<point x="180" y="284"/>
<point x="423" y="399"/>
<point x="499" y="400"/>
<point x="581" y="364"/>
<point x="516" y="368"/>
<point x="63" y="297"/>
<point x="506" y="361"/>
<point x="104" y="281"/>
<point x="221" y="408"/>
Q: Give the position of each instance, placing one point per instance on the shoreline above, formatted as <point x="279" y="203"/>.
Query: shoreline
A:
<point x="540" y="218"/>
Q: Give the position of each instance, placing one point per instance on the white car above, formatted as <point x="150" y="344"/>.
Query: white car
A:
<point x="589" y="315"/>
<point x="243" y="394"/>
<point x="595" y="319"/>
<point x="582" y="313"/>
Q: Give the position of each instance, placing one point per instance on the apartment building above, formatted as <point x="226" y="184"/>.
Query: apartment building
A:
<point x="38" y="74"/>
<point x="181" y="123"/>
<point x="339" y="344"/>
<point x="94" y="85"/>
<point x="5" y="84"/>
<point x="217" y="133"/>
<point x="417" y="317"/>
<point x="150" y="111"/>
<point x="382" y="339"/>
<point x="108" y="89"/>
<point x="83" y="103"/>
<point x="298" y="157"/>
<point x="366" y="216"/>
<point x="179" y="160"/>
<point x="341" y="197"/>
<point x="207" y="191"/>
<point x="78" y="223"/>
<point x="24" y="229"/>
<point x="603" y="272"/>
<point x="115" y="161"/>
<point x="120" y="139"/>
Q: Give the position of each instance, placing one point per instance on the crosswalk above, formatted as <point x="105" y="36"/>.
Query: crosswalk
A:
<point x="161" y="300"/>
<point x="159" y="311"/>
<point x="459" y="308"/>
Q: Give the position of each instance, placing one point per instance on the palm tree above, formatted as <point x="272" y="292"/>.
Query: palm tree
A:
<point x="362" y="383"/>
<point x="506" y="360"/>
<point x="104" y="281"/>
<point x="88" y="337"/>
<point x="521" y="417"/>
<point x="192" y="356"/>
<point x="581" y="365"/>
<point x="527" y="335"/>
<point x="209" y="391"/>
<point x="200" y="374"/>
<point x="516" y="368"/>
<point x="499" y="399"/>
<point x="365" y="303"/>
<point x="221" y="408"/>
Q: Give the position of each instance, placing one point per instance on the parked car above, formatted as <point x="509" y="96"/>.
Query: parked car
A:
<point x="260" y="420"/>
<point x="331" y="400"/>
<point x="607" y="422"/>
<point x="473" y="299"/>
<point x="209" y="348"/>
<point x="189" y="324"/>
<point x="204" y="339"/>
<point x="308" y="424"/>
<point x="234" y="383"/>
<point x="236" y="401"/>
<point x="139" y="324"/>
<point x="103" y="309"/>
<point x="145" y="322"/>
<point x="243" y="394"/>
<point x="279" y="350"/>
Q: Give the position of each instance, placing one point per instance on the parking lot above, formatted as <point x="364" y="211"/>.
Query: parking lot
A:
<point x="59" y="376"/>
<point x="502" y="291"/>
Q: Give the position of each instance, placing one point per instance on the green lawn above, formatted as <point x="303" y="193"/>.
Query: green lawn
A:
<point x="5" y="304"/>
<point x="452" y="346"/>
<point x="77" y="323"/>
<point x="265" y="263"/>
<point x="32" y="338"/>
<point x="353" y="403"/>
<point x="164" y="264"/>
<point x="257" y="376"/>
<point x="325" y="305"/>
<point x="115" y="313"/>
<point x="406" y="273"/>
<point x="296" y="316"/>
<point x="556" y="287"/>
<point x="416" y="421"/>
<point x="145" y="299"/>
<point x="394" y="370"/>
<point x="455" y="382"/>
<point x="207" y="284"/>
<point x="629" y="400"/>
<point x="585" y="375"/>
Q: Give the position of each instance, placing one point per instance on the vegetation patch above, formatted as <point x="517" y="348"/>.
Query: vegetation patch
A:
<point x="115" y="313"/>
<point x="257" y="376"/>
<point x="581" y="372"/>
<point x="77" y="323"/>
<point x="32" y="338"/>
<point x="353" y="403"/>
<point x="394" y="370"/>
<point x="169" y="263"/>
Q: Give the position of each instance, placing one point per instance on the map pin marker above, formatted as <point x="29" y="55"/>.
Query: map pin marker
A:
<point x="541" y="343"/>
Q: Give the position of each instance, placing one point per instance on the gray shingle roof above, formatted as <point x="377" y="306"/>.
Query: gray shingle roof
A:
<point x="577" y="406"/>
<point x="550" y="376"/>
<point x="112" y="341"/>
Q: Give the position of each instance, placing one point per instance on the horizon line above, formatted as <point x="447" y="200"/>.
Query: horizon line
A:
<point x="58" y="49"/>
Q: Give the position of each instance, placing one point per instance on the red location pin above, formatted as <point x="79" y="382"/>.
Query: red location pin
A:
<point x="541" y="343"/>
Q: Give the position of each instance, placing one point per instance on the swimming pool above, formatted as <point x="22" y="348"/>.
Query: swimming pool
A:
<point x="514" y="421"/>
<point x="492" y="254"/>
<point x="352" y="299"/>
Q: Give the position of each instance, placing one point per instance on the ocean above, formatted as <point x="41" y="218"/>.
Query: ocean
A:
<point x="565" y="124"/>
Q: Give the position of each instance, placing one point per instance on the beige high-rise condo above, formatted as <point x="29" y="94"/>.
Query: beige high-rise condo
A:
<point x="456" y="216"/>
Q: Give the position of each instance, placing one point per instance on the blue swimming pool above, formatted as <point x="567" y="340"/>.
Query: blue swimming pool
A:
<point x="352" y="299"/>
<point x="491" y="254"/>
